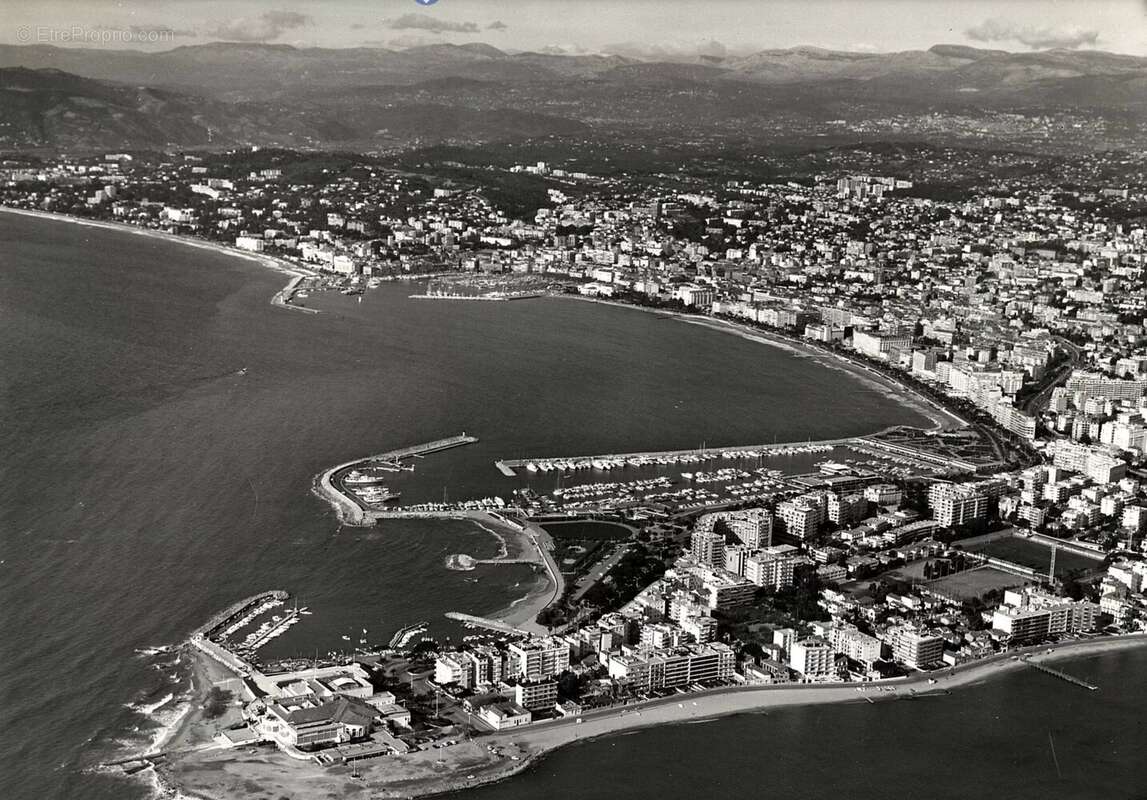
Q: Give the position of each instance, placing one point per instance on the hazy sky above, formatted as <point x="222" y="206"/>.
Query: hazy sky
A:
<point x="634" y="27"/>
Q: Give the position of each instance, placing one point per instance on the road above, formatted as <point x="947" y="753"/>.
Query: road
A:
<point x="1038" y="401"/>
<point x="587" y="581"/>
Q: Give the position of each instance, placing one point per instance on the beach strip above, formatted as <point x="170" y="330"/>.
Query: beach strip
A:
<point x="281" y="298"/>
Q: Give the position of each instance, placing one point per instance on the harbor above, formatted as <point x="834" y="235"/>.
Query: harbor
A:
<point x="605" y="463"/>
<point x="637" y="484"/>
<point x="354" y="489"/>
<point x="405" y="635"/>
<point x="494" y="296"/>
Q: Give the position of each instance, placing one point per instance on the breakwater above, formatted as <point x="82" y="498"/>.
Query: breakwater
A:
<point x="237" y="610"/>
<point x="485" y="622"/>
<point x="351" y="509"/>
<point x="507" y="466"/>
<point x="284" y="297"/>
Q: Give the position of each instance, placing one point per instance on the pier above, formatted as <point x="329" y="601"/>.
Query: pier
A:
<point x="404" y="635"/>
<point x="484" y="622"/>
<point x="421" y="449"/>
<point x="276" y="629"/>
<point x="507" y="466"/>
<point x="286" y="296"/>
<point x="350" y="509"/>
<point x="1061" y="675"/>
<point x="236" y="611"/>
<point x="485" y="297"/>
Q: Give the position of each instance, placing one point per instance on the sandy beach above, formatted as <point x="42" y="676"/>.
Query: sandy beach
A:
<point x="229" y="775"/>
<point x="281" y="298"/>
<point x="522" y="614"/>
<point x="531" y="545"/>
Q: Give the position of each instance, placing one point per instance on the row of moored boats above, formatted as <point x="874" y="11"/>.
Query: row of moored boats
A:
<point x="606" y="463"/>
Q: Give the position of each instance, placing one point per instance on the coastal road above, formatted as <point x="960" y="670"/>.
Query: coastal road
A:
<point x="880" y="690"/>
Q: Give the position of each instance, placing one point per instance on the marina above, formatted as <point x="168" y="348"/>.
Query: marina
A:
<point x="494" y="296"/>
<point x="406" y="634"/>
<point x="606" y="463"/>
<point x="354" y="489"/>
<point x="638" y="483"/>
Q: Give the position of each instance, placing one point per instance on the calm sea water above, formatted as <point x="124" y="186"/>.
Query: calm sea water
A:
<point x="146" y="482"/>
<point x="1022" y="736"/>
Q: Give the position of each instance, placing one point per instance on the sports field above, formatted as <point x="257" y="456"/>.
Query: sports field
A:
<point x="1034" y="555"/>
<point x="973" y="583"/>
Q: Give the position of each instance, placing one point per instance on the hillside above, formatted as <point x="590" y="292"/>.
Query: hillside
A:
<point x="373" y="98"/>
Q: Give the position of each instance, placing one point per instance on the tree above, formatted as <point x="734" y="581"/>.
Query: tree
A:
<point x="216" y="703"/>
<point x="568" y="685"/>
<point x="753" y="650"/>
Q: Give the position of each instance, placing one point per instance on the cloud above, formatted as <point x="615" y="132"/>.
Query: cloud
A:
<point x="266" y="27"/>
<point x="425" y="22"/>
<point x="497" y="25"/>
<point x="670" y="51"/>
<point x="1037" y="37"/>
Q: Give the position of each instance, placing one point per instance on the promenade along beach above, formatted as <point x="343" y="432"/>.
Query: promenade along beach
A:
<point x="221" y="775"/>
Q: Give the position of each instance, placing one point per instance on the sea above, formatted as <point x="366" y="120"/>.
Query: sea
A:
<point x="161" y="424"/>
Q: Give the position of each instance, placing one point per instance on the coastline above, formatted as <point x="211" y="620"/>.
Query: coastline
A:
<point x="215" y="774"/>
<point x="527" y="544"/>
<point x="941" y="418"/>
<point x="523" y="614"/>
<point x="281" y="298"/>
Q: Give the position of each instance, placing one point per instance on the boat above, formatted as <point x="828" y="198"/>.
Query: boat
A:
<point x="378" y="494"/>
<point x="356" y="478"/>
<point x="392" y="466"/>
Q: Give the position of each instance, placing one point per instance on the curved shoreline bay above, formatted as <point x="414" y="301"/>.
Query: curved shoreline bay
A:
<point x="165" y="422"/>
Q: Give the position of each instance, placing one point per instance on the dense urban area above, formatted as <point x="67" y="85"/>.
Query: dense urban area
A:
<point x="1011" y="309"/>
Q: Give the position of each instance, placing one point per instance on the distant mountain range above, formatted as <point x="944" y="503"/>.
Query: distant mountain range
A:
<point x="221" y="94"/>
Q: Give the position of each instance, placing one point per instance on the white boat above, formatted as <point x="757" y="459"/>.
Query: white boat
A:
<point x="356" y="478"/>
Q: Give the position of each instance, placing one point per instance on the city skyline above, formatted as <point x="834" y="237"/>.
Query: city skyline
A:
<point x="641" y="29"/>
